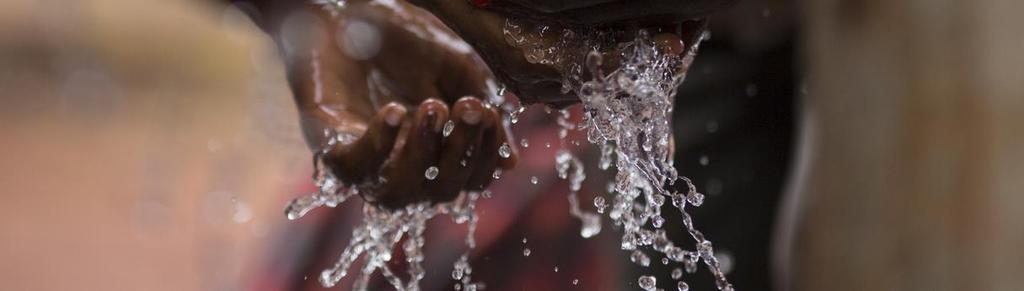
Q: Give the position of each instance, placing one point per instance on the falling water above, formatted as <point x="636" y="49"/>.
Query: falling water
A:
<point x="627" y="113"/>
<point x="382" y="230"/>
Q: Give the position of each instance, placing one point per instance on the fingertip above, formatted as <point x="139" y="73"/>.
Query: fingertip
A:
<point x="432" y="113"/>
<point x="393" y="114"/>
<point x="433" y="104"/>
<point x="469" y="109"/>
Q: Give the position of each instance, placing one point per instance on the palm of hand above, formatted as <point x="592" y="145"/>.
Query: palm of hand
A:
<point x="392" y="76"/>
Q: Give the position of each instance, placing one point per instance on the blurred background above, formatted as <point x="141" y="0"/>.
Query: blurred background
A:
<point x="844" y="145"/>
<point x="146" y="145"/>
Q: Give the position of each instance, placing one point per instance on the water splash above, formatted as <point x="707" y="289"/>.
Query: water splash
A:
<point x="627" y="112"/>
<point x="383" y="229"/>
<point x="331" y="191"/>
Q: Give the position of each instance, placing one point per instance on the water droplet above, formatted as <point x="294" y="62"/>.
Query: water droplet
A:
<point x="556" y="269"/>
<point x="327" y="278"/>
<point x="591" y="225"/>
<point x="648" y="283"/>
<point x="599" y="203"/>
<point x="575" y="281"/>
<point x="497" y="174"/>
<point x="457" y="274"/>
<point x="526" y="252"/>
<point x="431" y="173"/>
<point x="683" y="286"/>
<point x="677" y="273"/>
<point x="298" y="207"/>
<point x="524" y="143"/>
<point x="638" y="257"/>
<point x="690" y="264"/>
<point x="448" y="127"/>
<point x="695" y="198"/>
<point x="533" y="180"/>
<point x="678" y="200"/>
<point x="705" y="249"/>
<point x="657" y="221"/>
<point x="505" y="151"/>
<point x="704" y="160"/>
<point x="657" y="200"/>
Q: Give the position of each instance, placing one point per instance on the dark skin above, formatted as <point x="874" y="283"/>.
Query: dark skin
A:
<point x="390" y="75"/>
<point x="533" y="82"/>
<point x="396" y="113"/>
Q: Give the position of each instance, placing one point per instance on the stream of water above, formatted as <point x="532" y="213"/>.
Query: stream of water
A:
<point x="626" y="113"/>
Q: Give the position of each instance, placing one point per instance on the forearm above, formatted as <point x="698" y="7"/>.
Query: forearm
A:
<point x="317" y="84"/>
<point x="323" y="100"/>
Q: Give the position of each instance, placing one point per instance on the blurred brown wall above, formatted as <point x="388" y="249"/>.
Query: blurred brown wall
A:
<point x="144" y="145"/>
<point x="914" y="158"/>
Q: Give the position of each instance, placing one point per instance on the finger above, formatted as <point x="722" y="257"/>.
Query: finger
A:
<point x="459" y="150"/>
<point x="486" y="158"/>
<point x="404" y="173"/>
<point x="361" y="159"/>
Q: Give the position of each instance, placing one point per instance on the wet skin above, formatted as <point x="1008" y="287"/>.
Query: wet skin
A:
<point x="533" y="82"/>
<point x="396" y="100"/>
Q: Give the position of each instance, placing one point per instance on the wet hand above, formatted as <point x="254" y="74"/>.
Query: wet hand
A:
<point x="388" y="79"/>
<point x="429" y="154"/>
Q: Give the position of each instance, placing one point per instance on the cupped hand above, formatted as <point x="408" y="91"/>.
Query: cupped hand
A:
<point x="403" y="93"/>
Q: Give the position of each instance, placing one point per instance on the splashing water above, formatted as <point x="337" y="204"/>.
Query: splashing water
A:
<point x="627" y="112"/>
<point x="331" y="191"/>
<point x="382" y="230"/>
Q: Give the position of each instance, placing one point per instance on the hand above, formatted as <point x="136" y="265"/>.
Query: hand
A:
<point x="387" y="78"/>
